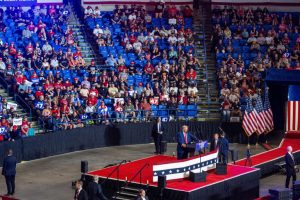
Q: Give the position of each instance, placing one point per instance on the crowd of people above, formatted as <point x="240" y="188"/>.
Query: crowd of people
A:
<point x="247" y="42"/>
<point x="150" y="67"/>
<point x="36" y="45"/>
<point x="150" y="57"/>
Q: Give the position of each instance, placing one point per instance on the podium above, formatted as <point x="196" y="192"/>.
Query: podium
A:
<point x="196" y="147"/>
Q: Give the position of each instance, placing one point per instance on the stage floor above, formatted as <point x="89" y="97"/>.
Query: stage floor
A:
<point x="128" y="170"/>
<point x="291" y="139"/>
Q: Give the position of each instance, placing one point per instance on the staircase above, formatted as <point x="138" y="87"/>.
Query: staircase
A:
<point x="84" y="38"/>
<point x="21" y="112"/>
<point x="209" y="106"/>
<point x="129" y="192"/>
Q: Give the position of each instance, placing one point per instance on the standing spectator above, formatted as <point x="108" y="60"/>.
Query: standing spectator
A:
<point x="159" y="9"/>
<point x="9" y="172"/>
<point x="80" y="193"/>
<point x="157" y="134"/>
<point x="94" y="190"/>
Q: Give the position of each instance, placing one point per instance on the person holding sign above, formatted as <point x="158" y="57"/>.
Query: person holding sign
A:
<point x="183" y="139"/>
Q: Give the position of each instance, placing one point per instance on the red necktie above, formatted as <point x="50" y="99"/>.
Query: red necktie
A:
<point x="185" y="138"/>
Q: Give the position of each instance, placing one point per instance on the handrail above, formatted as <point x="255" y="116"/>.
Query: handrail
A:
<point x="136" y="174"/>
<point x="4" y="83"/>
<point x="18" y="97"/>
<point x="205" y="58"/>
<point x="113" y="171"/>
<point x="139" y="172"/>
<point x="138" y="117"/>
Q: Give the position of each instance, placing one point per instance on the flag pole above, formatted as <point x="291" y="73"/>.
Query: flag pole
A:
<point x="248" y="146"/>
<point x="247" y="137"/>
<point x="257" y="138"/>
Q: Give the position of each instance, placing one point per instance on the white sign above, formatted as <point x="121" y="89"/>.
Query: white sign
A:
<point x="17" y="121"/>
<point x="11" y="105"/>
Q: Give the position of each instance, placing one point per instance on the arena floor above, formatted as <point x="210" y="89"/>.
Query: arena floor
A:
<point x="50" y="178"/>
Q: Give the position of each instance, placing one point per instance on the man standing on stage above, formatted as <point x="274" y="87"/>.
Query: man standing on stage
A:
<point x="215" y="142"/>
<point x="183" y="139"/>
<point x="157" y="134"/>
<point x="290" y="166"/>
<point x="9" y="172"/>
<point x="223" y="149"/>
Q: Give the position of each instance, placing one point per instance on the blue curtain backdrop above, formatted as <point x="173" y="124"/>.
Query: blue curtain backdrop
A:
<point x="294" y="93"/>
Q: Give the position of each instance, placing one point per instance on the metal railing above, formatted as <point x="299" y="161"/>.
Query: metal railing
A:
<point x="113" y="116"/>
<point x="117" y="169"/>
<point x="204" y="57"/>
<point x="25" y="105"/>
<point x="131" y="180"/>
<point x="4" y="83"/>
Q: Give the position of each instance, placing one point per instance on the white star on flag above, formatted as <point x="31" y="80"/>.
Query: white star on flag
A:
<point x="155" y="173"/>
<point x="177" y="170"/>
<point x="170" y="171"/>
<point x="163" y="173"/>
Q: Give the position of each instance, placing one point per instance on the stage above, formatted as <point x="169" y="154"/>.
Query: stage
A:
<point x="238" y="181"/>
<point x="265" y="161"/>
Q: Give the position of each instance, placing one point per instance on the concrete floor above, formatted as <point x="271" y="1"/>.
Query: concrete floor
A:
<point x="50" y="178"/>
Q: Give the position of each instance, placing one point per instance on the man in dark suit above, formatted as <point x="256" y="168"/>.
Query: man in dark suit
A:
<point x="183" y="139"/>
<point x="223" y="149"/>
<point x="290" y="166"/>
<point x="9" y="172"/>
<point x="215" y="142"/>
<point x="95" y="191"/>
<point x="80" y="193"/>
<point x="142" y="195"/>
<point x="157" y="134"/>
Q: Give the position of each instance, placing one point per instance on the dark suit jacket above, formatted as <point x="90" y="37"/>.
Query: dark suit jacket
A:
<point x="224" y="146"/>
<point x="155" y="131"/>
<point x="82" y="195"/>
<point x="180" y="140"/>
<point x="213" y="144"/>
<point x="95" y="191"/>
<point x="140" y="198"/>
<point x="9" y="166"/>
<point x="290" y="165"/>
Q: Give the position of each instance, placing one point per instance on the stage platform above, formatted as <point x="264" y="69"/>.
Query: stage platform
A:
<point x="238" y="181"/>
<point x="266" y="161"/>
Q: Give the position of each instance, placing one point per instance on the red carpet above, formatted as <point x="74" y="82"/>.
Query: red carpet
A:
<point x="7" y="198"/>
<point x="129" y="169"/>
<point x="291" y="139"/>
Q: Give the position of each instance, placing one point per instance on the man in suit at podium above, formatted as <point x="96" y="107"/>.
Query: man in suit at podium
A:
<point x="290" y="166"/>
<point x="215" y="142"/>
<point x="183" y="139"/>
<point x="223" y="149"/>
<point x="157" y="134"/>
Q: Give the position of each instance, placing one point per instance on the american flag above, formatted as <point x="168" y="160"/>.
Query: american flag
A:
<point x="268" y="113"/>
<point x="293" y="116"/>
<point x="250" y="119"/>
<point x="261" y="121"/>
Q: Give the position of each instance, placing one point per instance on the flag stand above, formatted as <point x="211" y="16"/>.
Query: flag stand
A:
<point x="257" y="138"/>
<point x="248" y="142"/>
